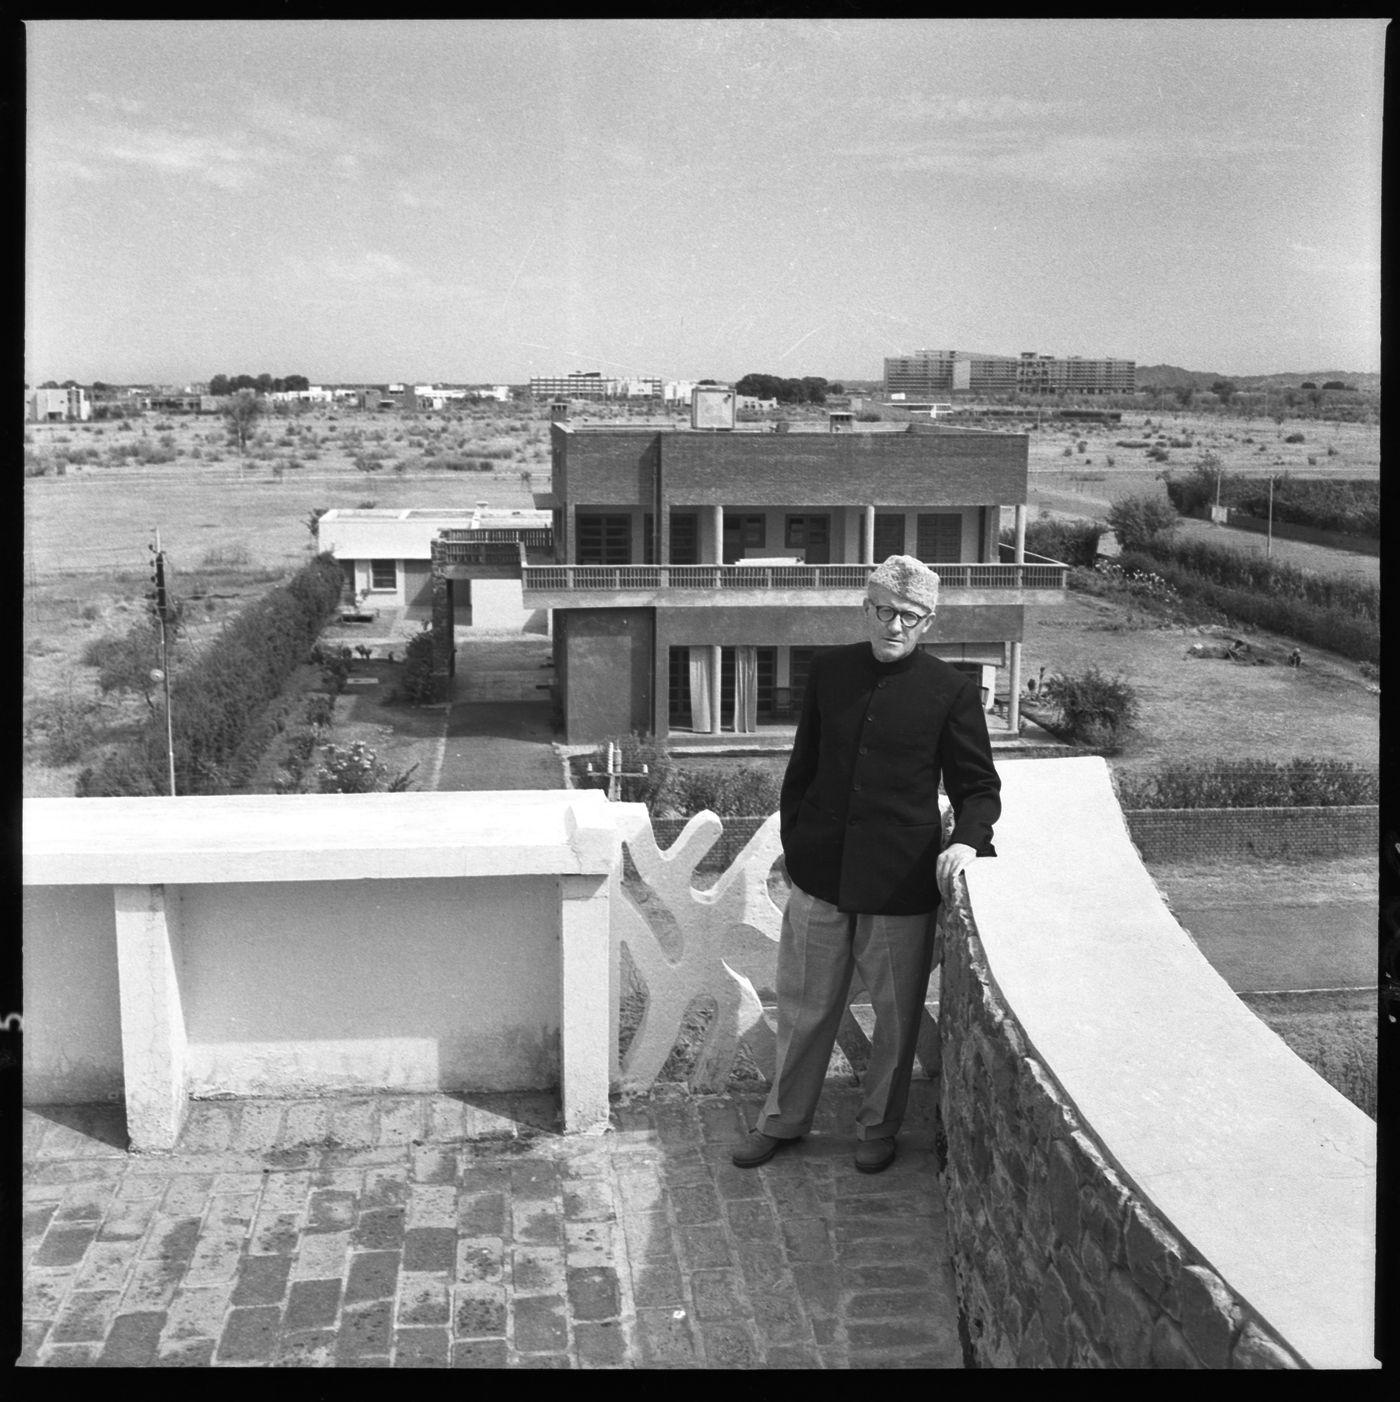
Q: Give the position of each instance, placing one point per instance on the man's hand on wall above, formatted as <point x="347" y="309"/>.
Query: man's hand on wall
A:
<point x="951" y="860"/>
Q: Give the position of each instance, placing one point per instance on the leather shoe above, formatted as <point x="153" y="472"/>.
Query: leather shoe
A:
<point x="874" y="1155"/>
<point x="758" y="1148"/>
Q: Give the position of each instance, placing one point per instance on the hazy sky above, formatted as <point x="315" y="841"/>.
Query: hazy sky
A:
<point x="490" y="200"/>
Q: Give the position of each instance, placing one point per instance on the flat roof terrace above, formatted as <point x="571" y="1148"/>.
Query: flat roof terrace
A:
<point x="793" y="426"/>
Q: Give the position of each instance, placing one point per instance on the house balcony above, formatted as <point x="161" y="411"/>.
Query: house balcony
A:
<point x="696" y="586"/>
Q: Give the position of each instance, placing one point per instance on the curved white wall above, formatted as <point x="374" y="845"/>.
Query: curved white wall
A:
<point x="1134" y="1160"/>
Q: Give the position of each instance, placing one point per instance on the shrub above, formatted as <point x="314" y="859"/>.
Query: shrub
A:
<point x="1072" y="542"/>
<point x="1295" y="438"/>
<point x="319" y="710"/>
<point x="1256" y="783"/>
<point x="226" y="556"/>
<point x="1139" y="519"/>
<point x="353" y="769"/>
<point x="416" y="684"/>
<point x="1144" y="583"/>
<point x="749" y="791"/>
<point x="65" y="724"/>
<point x="1094" y="709"/>
<point x="1352" y="507"/>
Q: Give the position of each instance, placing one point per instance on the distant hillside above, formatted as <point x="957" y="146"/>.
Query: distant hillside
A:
<point x="1174" y="377"/>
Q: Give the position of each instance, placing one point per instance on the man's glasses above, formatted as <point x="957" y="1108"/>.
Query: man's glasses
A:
<point x="886" y="614"/>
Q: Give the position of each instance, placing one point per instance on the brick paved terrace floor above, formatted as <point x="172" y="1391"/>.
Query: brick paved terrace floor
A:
<point x="465" y="1231"/>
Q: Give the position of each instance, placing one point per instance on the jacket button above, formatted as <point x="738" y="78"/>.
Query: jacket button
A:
<point x="871" y="716"/>
<point x="852" y="822"/>
<point x="864" y="750"/>
<point x="855" y="788"/>
<point x="882" y="683"/>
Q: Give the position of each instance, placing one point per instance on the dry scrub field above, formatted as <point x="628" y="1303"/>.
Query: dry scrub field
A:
<point x="231" y="528"/>
<point x="1066" y="481"/>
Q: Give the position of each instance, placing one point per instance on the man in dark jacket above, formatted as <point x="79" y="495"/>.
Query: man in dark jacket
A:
<point x="881" y="722"/>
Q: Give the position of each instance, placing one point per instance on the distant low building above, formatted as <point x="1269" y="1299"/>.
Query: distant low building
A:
<point x="70" y="405"/>
<point x="386" y="556"/>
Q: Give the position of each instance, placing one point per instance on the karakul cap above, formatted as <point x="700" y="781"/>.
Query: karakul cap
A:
<point x="908" y="578"/>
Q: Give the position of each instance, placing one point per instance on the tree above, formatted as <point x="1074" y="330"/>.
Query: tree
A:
<point x="1224" y="390"/>
<point x="242" y="413"/>
<point x="1307" y="384"/>
<point x="1185" y="394"/>
<point x="220" y="387"/>
<point x="1335" y="384"/>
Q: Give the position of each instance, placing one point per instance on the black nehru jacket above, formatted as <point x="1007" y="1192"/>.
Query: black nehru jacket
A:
<point x="859" y="806"/>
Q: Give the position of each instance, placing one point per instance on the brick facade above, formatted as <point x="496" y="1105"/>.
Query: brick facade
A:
<point x="1186" y="834"/>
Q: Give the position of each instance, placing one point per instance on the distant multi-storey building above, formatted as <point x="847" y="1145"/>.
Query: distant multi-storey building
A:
<point x="930" y="374"/>
<point x="593" y="384"/>
<point x="590" y="384"/>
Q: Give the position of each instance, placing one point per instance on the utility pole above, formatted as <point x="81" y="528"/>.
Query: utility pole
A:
<point x="615" y="771"/>
<point x="160" y="602"/>
<point x="1269" y="540"/>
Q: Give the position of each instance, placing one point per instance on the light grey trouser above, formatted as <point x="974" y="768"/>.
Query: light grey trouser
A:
<point x="819" y="949"/>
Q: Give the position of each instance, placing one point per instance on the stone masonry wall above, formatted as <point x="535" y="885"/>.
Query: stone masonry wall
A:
<point x="1059" y="1262"/>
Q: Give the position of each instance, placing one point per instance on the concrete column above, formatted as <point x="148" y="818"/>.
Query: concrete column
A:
<point x="1013" y="703"/>
<point x="716" y="691"/>
<point x="586" y="1027"/>
<point x="868" y="541"/>
<point x="718" y="513"/>
<point x="154" y="1047"/>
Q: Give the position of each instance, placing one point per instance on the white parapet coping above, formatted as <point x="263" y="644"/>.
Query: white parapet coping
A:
<point x="313" y="837"/>
<point x="1257" y="1161"/>
<point x="146" y="848"/>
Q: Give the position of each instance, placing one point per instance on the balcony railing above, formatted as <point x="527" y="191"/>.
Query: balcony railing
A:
<point x="532" y="537"/>
<point x="614" y="578"/>
<point x="469" y="548"/>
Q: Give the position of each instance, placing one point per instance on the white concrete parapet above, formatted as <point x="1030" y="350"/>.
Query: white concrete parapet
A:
<point x="428" y="938"/>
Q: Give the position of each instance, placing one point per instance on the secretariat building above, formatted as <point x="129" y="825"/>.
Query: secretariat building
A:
<point x="934" y="374"/>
